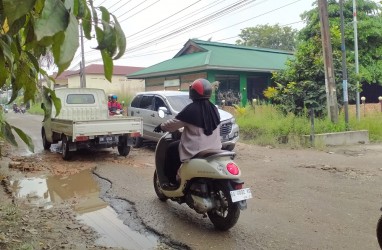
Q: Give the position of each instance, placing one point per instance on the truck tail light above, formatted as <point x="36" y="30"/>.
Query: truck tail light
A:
<point x="82" y="138"/>
<point x="135" y="134"/>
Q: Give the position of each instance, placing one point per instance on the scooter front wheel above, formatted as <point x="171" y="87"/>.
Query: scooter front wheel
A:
<point x="157" y="188"/>
<point x="227" y="213"/>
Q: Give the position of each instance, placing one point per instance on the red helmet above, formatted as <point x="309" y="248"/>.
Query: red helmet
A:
<point x="200" y="89"/>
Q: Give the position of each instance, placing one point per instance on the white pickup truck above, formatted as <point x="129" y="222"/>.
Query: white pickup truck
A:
<point x="84" y="122"/>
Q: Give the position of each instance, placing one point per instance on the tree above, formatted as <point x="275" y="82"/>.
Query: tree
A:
<point x="269" y="36"/>
<point x="30" y="29"/>
<point x="302" y="84"/>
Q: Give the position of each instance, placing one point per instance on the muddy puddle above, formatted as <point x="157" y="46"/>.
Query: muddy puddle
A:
<point x="83" y="192"/>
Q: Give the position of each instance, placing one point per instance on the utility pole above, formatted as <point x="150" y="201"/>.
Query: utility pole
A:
<point x="344" y="69"/>
<point x="82" y="64"/>
<point x="328" y="61"/>
<point x="357" y="98"/>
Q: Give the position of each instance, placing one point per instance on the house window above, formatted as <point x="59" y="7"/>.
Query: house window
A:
<point x="229" y="89"/>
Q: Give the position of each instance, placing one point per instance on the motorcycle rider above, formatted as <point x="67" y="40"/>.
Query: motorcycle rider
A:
<point x="109" y="98"/>
<point x="201" y="131"/>
<point x="114" y="105"/>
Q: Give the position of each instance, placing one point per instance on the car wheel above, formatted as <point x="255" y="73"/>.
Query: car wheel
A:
<point x="137" y="142"/>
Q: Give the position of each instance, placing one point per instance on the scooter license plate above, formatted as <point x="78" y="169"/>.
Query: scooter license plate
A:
<point x="241" y="194"/>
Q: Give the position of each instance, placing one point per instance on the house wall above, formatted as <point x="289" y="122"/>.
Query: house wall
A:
<point x="157" y="83"/>
<point x="119" y="84"/>
<point x="244" y="85"/>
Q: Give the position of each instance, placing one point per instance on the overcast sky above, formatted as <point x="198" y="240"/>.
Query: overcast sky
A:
<point x="157" y="29"/>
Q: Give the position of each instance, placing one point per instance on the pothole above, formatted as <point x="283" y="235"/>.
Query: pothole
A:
<point x="116" y="224"/>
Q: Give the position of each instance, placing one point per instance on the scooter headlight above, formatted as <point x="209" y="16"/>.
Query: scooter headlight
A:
<point x="232" y="168"/>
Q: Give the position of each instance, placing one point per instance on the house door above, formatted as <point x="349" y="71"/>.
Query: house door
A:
<point x="256" y="86"/>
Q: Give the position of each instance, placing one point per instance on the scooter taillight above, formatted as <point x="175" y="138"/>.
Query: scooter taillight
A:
<point x="232" y="168"/>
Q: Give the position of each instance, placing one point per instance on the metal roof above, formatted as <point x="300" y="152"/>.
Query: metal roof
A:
<point x="198" y="55"/>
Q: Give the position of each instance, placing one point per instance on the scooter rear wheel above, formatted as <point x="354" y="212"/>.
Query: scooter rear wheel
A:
<point x="157" y="188"/>
<point x="227" y="213"/>
<point x="379" y="232"/>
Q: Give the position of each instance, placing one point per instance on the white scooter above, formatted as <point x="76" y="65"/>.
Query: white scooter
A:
<point x="209" y="184"/>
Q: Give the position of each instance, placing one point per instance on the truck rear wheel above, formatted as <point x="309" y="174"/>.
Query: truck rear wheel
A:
<point x="45" y="142"/>
<point x="123" y="150"/>
<point x="65" y="148"/>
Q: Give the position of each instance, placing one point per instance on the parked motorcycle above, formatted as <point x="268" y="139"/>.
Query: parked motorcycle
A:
<point x="379" y="231"/>
<point x="209" y="184"/>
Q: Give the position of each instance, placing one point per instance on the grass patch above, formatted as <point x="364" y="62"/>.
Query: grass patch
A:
<point x="265" y="125"/>
<point x="36" y="109"/>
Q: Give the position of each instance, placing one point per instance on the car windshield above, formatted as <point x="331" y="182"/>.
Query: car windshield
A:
<point x="178" y="102"/>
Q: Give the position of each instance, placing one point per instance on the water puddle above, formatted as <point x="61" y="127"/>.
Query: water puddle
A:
<point x="91" y="210"/>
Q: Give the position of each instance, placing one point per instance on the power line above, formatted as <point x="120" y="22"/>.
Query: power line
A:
<point x="119" y="6"/>
<point x="139" y="11"/>
<point x="200" y="10"/>
<point x="164" y="19"/>
<point x="224" y="11"/>
<point x="208" y="18"/>
<point x="136" y="6"/>
<point x="262" y="14"/>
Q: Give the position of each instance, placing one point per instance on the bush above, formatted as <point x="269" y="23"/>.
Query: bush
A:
<point x="266" y="125"/>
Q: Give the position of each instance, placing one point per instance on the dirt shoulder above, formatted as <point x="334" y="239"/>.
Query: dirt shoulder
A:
<point x="23" y="226"/>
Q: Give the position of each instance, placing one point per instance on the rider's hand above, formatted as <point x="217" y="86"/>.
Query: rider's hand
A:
<point x="158" y="129"/>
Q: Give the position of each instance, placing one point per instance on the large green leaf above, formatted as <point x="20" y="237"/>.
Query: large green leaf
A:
<point x="49" y="98"/>
<point x="7" y="51"/>
<point x="120" y="39"/>
<point x="105" y="14"/>
<point x="6" y="131"/>
<point x="106" y="38"/>
<point x="14" y="9"/>
<point x="87" y="23"/>
<point x="33" y="60"/>
<point x="100" y="35"/>
<point x="107" y="64"/>
<point x="65" y="45"/>
<point x="54" y="18"/>
<point x="26" y="139"/>
<point x="3" y="70"/>
<point x="81" y="8"/>
<point x="21" y="78"/>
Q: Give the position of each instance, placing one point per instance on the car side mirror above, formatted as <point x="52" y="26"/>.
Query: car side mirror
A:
<point x="162" y="111"/>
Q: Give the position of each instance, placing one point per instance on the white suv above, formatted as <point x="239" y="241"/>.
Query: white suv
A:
<point x="146" y="105"/>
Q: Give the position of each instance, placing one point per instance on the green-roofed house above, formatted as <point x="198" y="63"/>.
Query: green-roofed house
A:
<point x="242" y="73"/>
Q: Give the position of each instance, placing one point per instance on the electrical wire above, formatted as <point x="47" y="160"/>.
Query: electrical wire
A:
<point x="158" y="52"/>
<point x="178" y="20"/>
<point x="224" y="11"/>
<point x="164" y="19"/>
<point x="262" y="14"/>
<point x="136" y="6"/>
<point x="139" y="11"/>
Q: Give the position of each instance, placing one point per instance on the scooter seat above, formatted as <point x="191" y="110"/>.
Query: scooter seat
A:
<point x="207" y="153"/>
